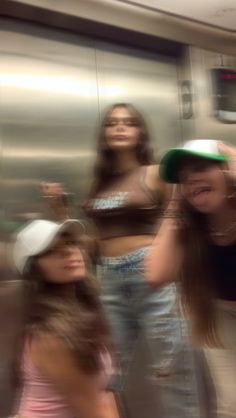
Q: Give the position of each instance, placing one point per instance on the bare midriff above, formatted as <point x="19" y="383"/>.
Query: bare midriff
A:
<point x="115" y="247"/>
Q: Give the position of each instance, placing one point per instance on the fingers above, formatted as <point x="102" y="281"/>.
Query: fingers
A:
<point x="227" y="150"/>
<point x="230" y="152"/>
<point x="53" y="190"/>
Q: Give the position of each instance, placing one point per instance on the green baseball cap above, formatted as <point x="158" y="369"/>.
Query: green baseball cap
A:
<point x="172" y="159"/>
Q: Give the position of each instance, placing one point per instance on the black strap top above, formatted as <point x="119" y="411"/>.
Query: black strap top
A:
<point x="223" y="265"/>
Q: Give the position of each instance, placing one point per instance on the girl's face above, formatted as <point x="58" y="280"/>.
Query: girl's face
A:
<point x="122" y="130"/>
<point x="63" y="262"/>
<point x="203" y="185"/>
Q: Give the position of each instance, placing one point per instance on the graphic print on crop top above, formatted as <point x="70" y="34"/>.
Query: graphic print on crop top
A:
<point x="113" y="201"/>
<point x="125" y="206"/>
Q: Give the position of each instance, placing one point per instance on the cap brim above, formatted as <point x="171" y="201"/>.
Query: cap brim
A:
<point x="73" y="226"/>
<point x="170" y="163"/>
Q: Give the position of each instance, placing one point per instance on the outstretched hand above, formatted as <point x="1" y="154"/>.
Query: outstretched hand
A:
<point x="54" y="194"/>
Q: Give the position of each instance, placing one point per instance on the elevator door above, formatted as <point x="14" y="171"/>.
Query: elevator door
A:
<point x="54" y="87"/>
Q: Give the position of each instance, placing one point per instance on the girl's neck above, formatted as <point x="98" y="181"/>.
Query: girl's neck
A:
<point x="223" y="224"/>
<point x="125" y="161"/>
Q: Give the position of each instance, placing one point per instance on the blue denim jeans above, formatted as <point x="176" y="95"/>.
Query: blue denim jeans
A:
<point x="134" y="308"/>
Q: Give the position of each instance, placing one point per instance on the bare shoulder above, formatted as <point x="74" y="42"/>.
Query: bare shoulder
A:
<point x="57" y="362"/>
<point x="152" y="178"/>
<point x="155" y="183"/>
<point x="48" y="349"/>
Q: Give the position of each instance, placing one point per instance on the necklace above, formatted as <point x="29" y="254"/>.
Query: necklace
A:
<point x="223" y="233"/>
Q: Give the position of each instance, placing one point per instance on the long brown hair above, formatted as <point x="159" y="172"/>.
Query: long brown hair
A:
<point x="79" y="321"/>
<point x="197" y="275"/>
<point x="104" y="166"/>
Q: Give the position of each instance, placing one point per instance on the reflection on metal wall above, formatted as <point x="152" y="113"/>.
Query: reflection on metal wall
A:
<point x="53" y="88"/>
<point x="49" y="109"/>
<point x="197" y="66"/>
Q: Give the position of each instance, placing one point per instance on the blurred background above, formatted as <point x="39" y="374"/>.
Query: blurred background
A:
<point x="61" y="64"/>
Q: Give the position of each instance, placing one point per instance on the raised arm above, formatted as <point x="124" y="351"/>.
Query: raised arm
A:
<point x="56" y="200"/>
<point x="164" y="260"/>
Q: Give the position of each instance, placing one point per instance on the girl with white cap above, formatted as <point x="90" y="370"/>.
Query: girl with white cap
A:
<point x="65" y="361"/>
<point x="196" y="243"/>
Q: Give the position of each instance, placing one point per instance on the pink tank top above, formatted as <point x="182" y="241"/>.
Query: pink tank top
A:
<point x="39" y="398"/>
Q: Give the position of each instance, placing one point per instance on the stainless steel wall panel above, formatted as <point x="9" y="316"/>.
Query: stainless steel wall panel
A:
<point x="125" y="15"/>
<point x="54" y="87"/>
<point x="49" y="111"/>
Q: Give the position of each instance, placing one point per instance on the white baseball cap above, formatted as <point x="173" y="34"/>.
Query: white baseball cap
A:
<point x="37" y="236"/>
<point x="204" y="148"/>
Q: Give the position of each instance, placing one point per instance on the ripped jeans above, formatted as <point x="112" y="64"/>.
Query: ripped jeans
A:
<point x="134" y="308"/>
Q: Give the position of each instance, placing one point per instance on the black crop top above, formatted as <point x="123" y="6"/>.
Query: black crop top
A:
<point x="223" y="266"/>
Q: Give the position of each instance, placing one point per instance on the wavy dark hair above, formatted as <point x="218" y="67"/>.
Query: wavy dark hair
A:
<point x="80" y="322"/>
<point x="197" y="289"/>
<point x="104" y="165"/>
<point x="197" y="275"/>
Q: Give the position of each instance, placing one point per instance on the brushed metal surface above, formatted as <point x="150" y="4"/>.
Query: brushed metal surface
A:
<point x="54" y="87"/>
<point x="137" y="17"/>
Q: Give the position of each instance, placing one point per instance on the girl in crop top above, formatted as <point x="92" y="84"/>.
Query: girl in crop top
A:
<point x="65" y="363"/>
<point x="202" y="240"/>
<point x="124" y="203"/>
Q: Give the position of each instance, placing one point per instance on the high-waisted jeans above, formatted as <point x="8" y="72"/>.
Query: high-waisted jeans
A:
<point x="133" y="307"/>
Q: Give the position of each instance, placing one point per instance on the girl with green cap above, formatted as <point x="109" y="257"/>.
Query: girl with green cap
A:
<point x="196" y="245"/>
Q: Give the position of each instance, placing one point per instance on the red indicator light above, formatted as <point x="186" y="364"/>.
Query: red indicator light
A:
<point x="228" y="76"/>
